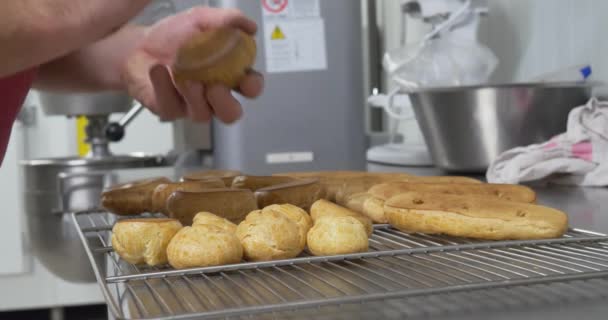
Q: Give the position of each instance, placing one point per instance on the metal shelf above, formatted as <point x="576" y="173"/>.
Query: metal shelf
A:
<point x="400" y="275"/>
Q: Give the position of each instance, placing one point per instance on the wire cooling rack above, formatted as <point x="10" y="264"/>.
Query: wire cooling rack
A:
<point x="401" y="275"/>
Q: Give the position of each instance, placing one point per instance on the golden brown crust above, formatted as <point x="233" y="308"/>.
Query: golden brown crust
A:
<point x="355" y="201"/>
<point x="219" y="56"/>
<point x="374" y="208"/>
<point x="335" y="235"/>
<point x="324" y="208"/>
<point x="254" y="183"/>
<point x="232" y="204"/>
<point x="301" y="193"/>
<point x="140" y="241"/>
<point x="334" y="181"/>
<point x="268" y="236"/>
<point x="203" y="246"/>
<point x="212" y="174"/>
<point x="131" y="198"/>
<point x="474" y="217"/>
<point x="162" y="192"/>
<point x="208" y="218"/>
<point x="296" y="214"/>
<point x="500" y="191"/>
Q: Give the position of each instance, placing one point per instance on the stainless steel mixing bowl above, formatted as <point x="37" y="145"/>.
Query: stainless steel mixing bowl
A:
<point x="466" y="128"/>
<point x="53" y="187"/>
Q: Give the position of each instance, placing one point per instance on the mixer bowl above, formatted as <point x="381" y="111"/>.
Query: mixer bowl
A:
<point x="56" y="186"/>
<point x="84" y="104"/>
<point x="466" y="128"/>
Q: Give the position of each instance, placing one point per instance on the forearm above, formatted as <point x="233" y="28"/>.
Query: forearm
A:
<point x="33" y="32"/>
<point x="93" y="68"/>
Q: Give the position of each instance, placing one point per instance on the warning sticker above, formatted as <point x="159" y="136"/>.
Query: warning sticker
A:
<point x="294" y="36"/>
<point x="277" y="34"/>
<point x="291" y="8"/>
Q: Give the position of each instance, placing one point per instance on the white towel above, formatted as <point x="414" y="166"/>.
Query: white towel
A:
<point x="576" y="157"/>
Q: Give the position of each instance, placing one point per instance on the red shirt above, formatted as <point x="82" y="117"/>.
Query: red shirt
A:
<point x="13" y="90"/>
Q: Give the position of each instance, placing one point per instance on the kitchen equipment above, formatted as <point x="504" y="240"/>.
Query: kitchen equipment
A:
<point x="311" y="113"/>
<point x="402" y="274"/>
<point x="467" y="127"/>
<point x="54" y="187"/>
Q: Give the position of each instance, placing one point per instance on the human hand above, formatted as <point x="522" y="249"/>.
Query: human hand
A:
<point x="147" y="76"/>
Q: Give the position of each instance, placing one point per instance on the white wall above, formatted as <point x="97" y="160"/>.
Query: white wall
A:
<point x="533" y="37"/>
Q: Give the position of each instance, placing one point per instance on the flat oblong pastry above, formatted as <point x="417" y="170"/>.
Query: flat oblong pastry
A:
<point x="232" y="204"/>
<point x="474" y="217"/>
<point x="131" y="198"/>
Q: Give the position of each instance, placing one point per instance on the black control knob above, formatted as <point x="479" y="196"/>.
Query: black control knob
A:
<point x="115" y="132"/>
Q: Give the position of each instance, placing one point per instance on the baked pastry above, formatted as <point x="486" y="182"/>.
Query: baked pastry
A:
<point x="301" y="193"/>
<point x="218" y="56"/>
<point x="225" y="175"/>
<point x="374" y="209"/>
<point x="364" y="183"/>
<point x="337" y="235"/>
<point x="269" y="235"/>
<point x="144" y="241"/>
<point x="207" y="218"/>
<point x="203" y="246"/>
<point x="355" y="201"/>
<point x="232" y="204"/>
<point x="298" y="215"/>
<point x="254" y="183"/>
<point x="333" y="181"/>
<point x="162" y="192"/>
<point x="324" y="208"/>
<point x="474" y="217"/>
<point x="131" y="198"/>
<point x="373" y="206"/>
<point x="508" y="192"/>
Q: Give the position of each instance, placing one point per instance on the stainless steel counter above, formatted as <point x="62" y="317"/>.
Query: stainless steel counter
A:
<point x="586" y="299"/>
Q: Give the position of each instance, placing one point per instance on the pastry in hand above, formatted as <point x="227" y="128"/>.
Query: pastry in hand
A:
<point x="218" y="56"/>
<point x="203" y="246"/>
<point x="333" y="235"/>
<point x="144" y="241"/>
<point x="269" y="235"/>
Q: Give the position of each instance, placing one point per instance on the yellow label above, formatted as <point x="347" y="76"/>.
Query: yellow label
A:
<point x="81" y="135"/>
<point x="277" y="34"/>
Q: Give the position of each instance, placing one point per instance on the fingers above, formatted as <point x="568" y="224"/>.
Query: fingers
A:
<point x="215" y="17"/>
<point x="224" y="105"/>
<point x="252" y="85"/>
<point x="196" y="103"/>
<point x="170" y="105"/>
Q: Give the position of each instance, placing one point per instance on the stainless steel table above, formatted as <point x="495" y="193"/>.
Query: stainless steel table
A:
<point x="404" y="275"/>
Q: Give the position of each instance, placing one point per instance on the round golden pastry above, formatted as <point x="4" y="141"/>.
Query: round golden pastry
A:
<point x="268" y="236"/>
<point x="337" y="235"/>
<point x="140" y="241"/>
<point x="203" y="246"/>
<point x="219" y="56"/>
<point x="207" y="218"/>
<point x="324" y="208"/>
<point x="298" y="215"/>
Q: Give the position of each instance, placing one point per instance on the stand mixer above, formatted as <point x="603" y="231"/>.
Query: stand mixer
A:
<point x="55" y="186"/>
